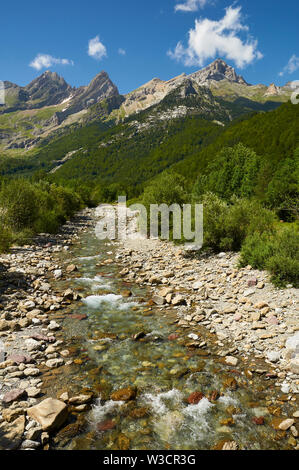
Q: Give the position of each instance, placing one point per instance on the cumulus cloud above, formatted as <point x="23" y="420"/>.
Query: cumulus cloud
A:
<point x="191" y="5"/>
<point x="210" y="39"/>
<point x="96" y="49"/>
<point x="291" y="66"/>
<point x="42" y="61"/>
<point x="122" y="51"/>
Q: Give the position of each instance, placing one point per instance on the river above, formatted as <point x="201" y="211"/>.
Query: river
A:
<point x="226" y="404"/>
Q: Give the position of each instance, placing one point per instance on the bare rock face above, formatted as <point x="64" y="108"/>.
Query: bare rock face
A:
<point x="273" y="90"/>
<point x="48" y="89"/>
<point x="217" y="70"/>
<point x="150" y="94"/>
<point x="50" y="414"/>
<point x="99" y="89"/>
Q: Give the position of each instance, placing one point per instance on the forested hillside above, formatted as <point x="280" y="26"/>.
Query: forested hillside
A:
<point x="200" y="156"/>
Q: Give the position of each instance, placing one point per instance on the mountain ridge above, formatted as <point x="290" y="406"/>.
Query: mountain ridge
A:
<point x="49" y="104"/>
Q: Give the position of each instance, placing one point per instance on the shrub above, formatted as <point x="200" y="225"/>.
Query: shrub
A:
<point x="256" y="250"/>
<point x="19" y="204"/>
<point x="284" y="263"/>
<point x="278" y="253"/>
<point x="5" y="239"/>
<point x="215" y="212"/>
<point x="29" y="208"/>
<point x="23" y="237"/>
<point x="226" y="226"/>
<point x="246" y="217"/>
<point x="169" y="188"/>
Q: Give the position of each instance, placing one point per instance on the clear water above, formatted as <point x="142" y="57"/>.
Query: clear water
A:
<point x="165" y="372"/>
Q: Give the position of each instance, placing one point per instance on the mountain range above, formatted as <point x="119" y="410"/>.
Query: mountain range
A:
<point x="49" y="107"/>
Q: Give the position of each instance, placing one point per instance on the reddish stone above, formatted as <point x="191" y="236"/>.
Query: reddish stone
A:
<point x="252" y="282"/>
<point x="20" y="359"/>
<point x="106" y="425"/>
<point x="77" y="316"/>
<point x="272" y="320"/>
<point x="238" y="317"/>
<point x="195" y="398"/>
<point x="14" y="395"/>
<point x="258" y="421"/>
<point x="173" y="337"/>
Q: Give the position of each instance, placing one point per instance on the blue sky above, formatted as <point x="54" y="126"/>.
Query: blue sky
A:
<point x="136" y="40"/>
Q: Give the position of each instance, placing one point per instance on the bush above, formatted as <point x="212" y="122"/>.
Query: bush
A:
<point x="215" y="212"/>
<point x="169" y="188"/>
<point x="246" y="217"/>
<point x="19" y="204"/>
<point x="226" y="226"/>
<point x="24" y="237"/>
<point x="5" y="239"/>
<point x="256" y="250"/>
<point x="278" y="253"/>
<point x="29" y="208"/>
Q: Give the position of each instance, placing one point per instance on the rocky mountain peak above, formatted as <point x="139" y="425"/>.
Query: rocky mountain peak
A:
<point x="217" y="71"/>
<point x="273" y="90"/>
<point x="102" y="83"/>
<point x="48" y="89"/>
<point x="100" y="88"/>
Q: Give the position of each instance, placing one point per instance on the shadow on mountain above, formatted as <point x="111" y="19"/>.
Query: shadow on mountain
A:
<point x="242" y="106"/>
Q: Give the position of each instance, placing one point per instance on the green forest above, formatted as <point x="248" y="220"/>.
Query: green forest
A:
<point x="246" y="172"/>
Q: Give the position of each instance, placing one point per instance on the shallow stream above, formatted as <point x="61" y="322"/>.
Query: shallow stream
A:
<point x="158" y="367"/>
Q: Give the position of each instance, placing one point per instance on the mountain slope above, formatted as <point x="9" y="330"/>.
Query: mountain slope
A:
<point x="65" y="107"/>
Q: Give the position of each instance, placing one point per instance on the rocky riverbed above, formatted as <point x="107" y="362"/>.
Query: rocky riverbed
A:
<point x="239" y="305"/>
<point x="251" y="327"/>
<point x="31" y="341"/>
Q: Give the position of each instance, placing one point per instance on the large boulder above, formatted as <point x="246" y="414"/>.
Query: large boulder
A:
<point x="50" y="413"/>
<point x="11" y="434"/>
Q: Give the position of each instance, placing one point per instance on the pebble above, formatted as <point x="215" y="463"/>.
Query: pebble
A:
<point x="286" y="424"/>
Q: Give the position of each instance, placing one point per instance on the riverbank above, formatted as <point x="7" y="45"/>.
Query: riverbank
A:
<point x="249" y="316"/>
<point x="31" y="341"/>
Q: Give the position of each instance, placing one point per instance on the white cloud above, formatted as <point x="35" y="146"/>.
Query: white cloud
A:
<point x="210" y="39"/>
<point x="291" y="66"/>
<point x="96" y="49"/>
<point x="122" y="51"/>
<point x="42" y="61"/>
<point x="191" y="5"/>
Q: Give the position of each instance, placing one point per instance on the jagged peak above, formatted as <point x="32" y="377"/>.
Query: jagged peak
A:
<point x="217" y="71"/>
<point x="101" y="79"/>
